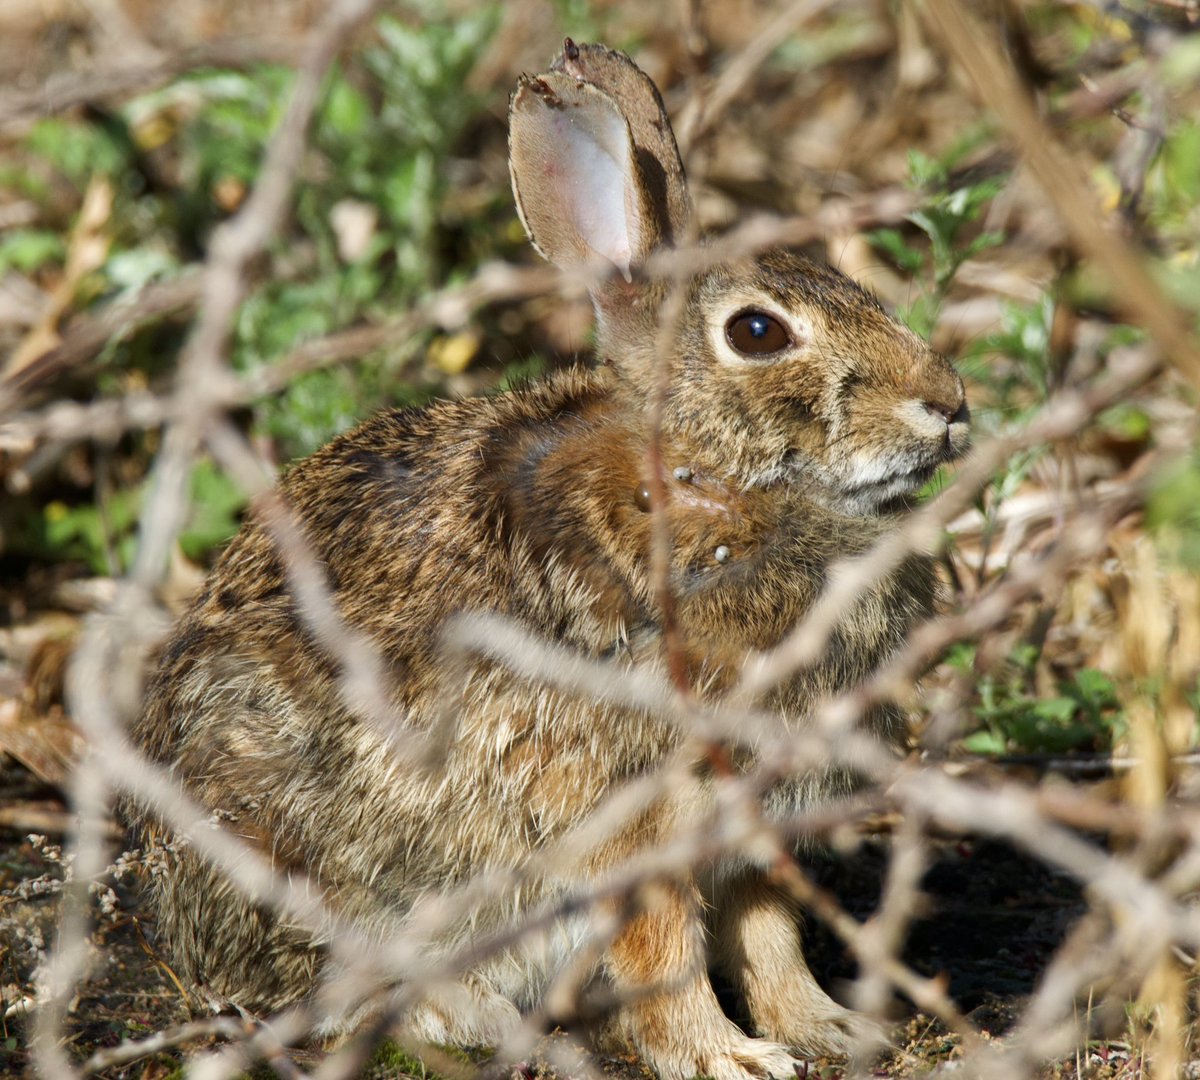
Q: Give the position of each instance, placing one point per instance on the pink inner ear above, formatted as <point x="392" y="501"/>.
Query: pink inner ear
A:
<point x="593" y="179"/>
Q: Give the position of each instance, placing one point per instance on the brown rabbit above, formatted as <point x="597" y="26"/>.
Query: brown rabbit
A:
<point x="799" y="416"/>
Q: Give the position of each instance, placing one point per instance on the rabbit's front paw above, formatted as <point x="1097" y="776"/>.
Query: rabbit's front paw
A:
<point x="469" y="1013"/>
<point x="755" y="1057"/>
<point x="737" y="1058"/>
<point x="841" y="1033"/>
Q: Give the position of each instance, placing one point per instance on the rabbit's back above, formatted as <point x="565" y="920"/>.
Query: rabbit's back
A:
<point x="413" y="517"/>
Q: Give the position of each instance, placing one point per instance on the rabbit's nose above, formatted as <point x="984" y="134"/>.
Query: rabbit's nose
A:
<point x="950" y="413"/>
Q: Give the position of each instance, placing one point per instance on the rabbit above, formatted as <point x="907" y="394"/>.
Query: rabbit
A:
<point x="798" y="418"/>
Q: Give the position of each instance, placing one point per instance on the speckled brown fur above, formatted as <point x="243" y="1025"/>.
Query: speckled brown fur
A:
<point x="526" y="504"/>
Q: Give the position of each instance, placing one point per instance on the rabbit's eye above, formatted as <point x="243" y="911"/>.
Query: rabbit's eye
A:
<point x="755" y="333"/>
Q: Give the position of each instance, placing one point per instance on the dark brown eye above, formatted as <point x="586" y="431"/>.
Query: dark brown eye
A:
<point x="755" y="333"/>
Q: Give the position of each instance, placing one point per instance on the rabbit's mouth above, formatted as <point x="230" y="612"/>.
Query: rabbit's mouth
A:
<point x="891" y="492"/>
<point x="884" y="483"/>
<point x="879" y="488"/>
<point x="859" y="495"/>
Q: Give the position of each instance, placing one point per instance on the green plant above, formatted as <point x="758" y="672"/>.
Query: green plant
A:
<point x="181" y="160"/>
<point x="1173" y="510"/>
<point x="216" y="510"/>
<point x="382" y="135"/>
<point x="1085" y="712"/>
<point x="935" y="255"/>
<point x="942" y="215"/>
<point x="28" y="250"/>
<point x="100" y="534"/>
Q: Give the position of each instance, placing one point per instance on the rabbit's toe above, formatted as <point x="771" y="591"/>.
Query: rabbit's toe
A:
<point x="843" y="1033"/>
<point x="757" y="1058"/>
<point x="466" y="1014"/>
<point x="736" y="1057"/>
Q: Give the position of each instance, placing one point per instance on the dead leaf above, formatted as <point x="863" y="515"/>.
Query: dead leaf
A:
<point x="453" y="353"/>
<point x="48" y="746"/>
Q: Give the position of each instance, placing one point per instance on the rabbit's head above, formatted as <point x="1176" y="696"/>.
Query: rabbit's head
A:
<point x="781" y="370"/>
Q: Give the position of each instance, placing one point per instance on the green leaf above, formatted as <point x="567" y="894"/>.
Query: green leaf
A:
<point x="88" y="532"/>
<point x="217" y="503"/>
<point x="1095" y="684"/>
<point x="130" y="270"/>
<point x="892" y="243"/>
<point x="921" y="315"/>
<point x="313" y="409"/>
<point x="985" y="742"/>
<point x="1126" y="421"/>
<point x="227" y="137"/>
<point x="1173" y="510"/>
<point x="925" y="171"/>
<point x="78" y="150"/>
<point x="961" y="656"/>
<point x="347" y="111"/>
<point x="984" y="241"/>
<point x="1181" y="161"/>
<point x="1181" y="64"/>
<point x="28" y="250"/>
<point x="522" y="371"/>
<point x="1058" y="710"/>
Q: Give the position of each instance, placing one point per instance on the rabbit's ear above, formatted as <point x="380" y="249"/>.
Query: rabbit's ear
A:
<point x="584" y="185"/>
<point x="642" y="106"/>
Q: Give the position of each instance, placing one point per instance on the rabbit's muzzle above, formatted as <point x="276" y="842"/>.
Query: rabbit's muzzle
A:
<point x="886" y="449"/>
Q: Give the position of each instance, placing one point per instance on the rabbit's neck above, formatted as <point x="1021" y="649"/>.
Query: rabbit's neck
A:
<point x="746" y="563"/>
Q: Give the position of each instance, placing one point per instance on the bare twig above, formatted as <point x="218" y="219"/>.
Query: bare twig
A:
<point x="84" y="338"/>
<point x="1138" y="913"/>
<point x="707" y="109"/>
<point x="233" y="248"/>
<point x="18" y="109"/>
<point x="224" y="1027"/>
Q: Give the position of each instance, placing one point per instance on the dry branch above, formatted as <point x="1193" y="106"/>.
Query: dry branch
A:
<point x="122" y="1054"/>
<point x="232" y="249"/>
<point x="18" y="109"/>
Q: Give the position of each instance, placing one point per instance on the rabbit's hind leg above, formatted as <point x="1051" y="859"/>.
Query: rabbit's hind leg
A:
<point x="232" y="952"/>
<point x="464" y="1013"/>
<point x="757" y="943"/>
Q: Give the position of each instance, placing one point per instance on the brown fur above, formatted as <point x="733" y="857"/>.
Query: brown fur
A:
<point x="526" y="504"/>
